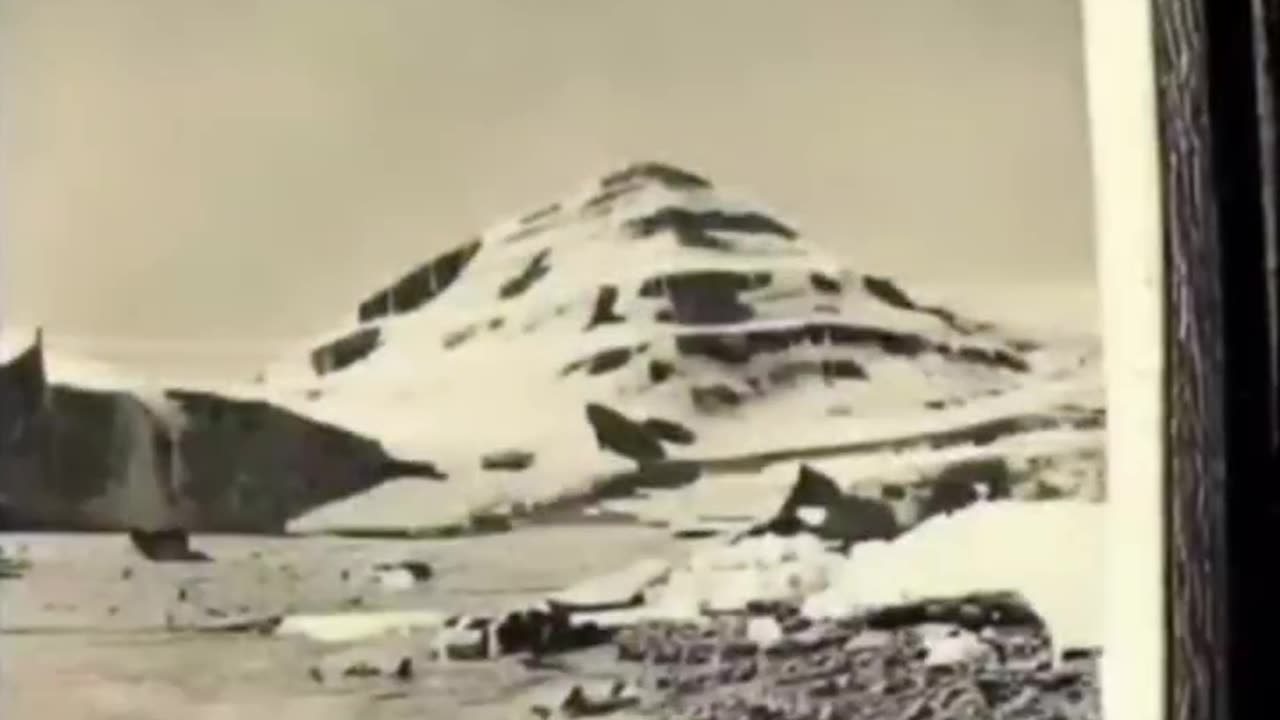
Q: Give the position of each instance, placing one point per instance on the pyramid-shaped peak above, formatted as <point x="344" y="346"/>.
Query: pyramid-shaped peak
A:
<point x="664" y="174"/>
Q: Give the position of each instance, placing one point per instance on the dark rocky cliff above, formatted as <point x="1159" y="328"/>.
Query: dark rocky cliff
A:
<point x="80" y="459"/>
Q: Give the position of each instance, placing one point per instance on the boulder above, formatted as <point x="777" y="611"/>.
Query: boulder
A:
<point x="816" y="505"/>
<point x="169" y="545"/>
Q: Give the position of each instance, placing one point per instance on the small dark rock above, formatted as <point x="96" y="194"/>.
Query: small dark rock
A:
<point x="420" y="571"/>
<point x="361" y="669"/>
<point x="660" y="370"/>
<point x="824" y="283"/>
<point x="512" y="460"/>
<point x="490" y="523"/>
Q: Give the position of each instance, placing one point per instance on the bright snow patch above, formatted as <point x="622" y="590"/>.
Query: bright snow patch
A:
<point x="1049" y="552"/>
<point x="348" y="627"/>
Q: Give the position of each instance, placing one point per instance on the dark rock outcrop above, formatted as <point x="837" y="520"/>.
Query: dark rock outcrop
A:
<point x="825" y="284"/>
<point x="23" y="390"/>
<point x="512" y="460"/>
<point x="705" y="297"/>
<point x="883" y="509"/>
<point x="697" y="228"/>
<point x="670" y="431"/>
<point x="604" y="312"/>
<point x="169" y="545"/>
<point x="738" y="348"/>
<point x="79" y="459"/>
<point x="346" y="350"/>
<point x="846" y="518"/>
<point x="535" y="270"/>
<point x="420" y="286"/>
<point x="666" y="175"/>
<point x="660" y="371"/>
<point x="889" y="293"/>
<point x="608" y="360"/>
<point x="603" y="361"/>
<point x="616" y="433"/>
<point x="539" y="632"/>
<point x="964" y="484"/>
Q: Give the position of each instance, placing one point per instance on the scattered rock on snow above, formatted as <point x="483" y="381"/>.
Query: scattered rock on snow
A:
<point x="578" y="703"/>
<point x="615" y="432"/>
<point x="401" y="575"/>
<point x="512" y="460"/>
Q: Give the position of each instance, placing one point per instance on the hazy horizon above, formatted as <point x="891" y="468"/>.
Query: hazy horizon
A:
<point x="167" y="167"/>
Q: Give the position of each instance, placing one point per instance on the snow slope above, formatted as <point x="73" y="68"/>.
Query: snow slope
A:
<point x="705" y="327"/>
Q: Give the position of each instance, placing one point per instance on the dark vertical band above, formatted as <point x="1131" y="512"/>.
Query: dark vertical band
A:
<point x="1215" y="79"/>
<point x="1195" y="367"/>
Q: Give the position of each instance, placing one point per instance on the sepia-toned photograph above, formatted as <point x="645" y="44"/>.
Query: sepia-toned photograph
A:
<point x="501" y="359"/>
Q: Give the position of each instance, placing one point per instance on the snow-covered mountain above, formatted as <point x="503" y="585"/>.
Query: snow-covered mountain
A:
<point x="650" y="327"/>
<point x="653" y="317"/>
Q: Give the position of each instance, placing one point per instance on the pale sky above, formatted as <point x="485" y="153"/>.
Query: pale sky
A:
<point x="238" y="170"/>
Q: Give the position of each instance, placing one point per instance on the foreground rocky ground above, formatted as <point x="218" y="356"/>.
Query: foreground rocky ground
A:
<point x="984" y="656"/>
<point x="92" y="630"/>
